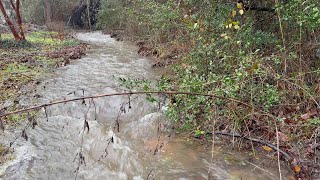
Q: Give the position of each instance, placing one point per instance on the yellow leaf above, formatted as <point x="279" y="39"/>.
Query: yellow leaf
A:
<point x="267" y="148"/>
<point x="230" y="25"/>
<point x="199" y="22"/>
<point x="237" y="27"/>
<point x="241" y="11"/>
<point x="190" y="25"/>
<point x="297" y="169"/>
<point x="239" y="5"/>
<point x="233" y="13"/>
<point x="235" y="22"/>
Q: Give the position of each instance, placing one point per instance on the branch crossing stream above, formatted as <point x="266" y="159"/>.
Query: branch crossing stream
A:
<point x="58" y="146"/>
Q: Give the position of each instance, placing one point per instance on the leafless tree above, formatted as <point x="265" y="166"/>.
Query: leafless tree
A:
<point x="16" y="28"/>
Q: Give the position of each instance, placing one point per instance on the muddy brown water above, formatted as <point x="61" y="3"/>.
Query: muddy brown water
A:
<point x="51" y="151"/>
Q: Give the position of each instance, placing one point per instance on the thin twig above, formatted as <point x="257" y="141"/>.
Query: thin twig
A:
<point x="259" y="141"/>
<point x="213" y="139"/>
<point x="313" y="99"/>
<point x="278" y="153"/>
<point x="81" y="159"/>
<point x="257" y="167"/>
<point x="121" y="94"/>
<point x="282" y="35"/>
<point x="149" y="174"/>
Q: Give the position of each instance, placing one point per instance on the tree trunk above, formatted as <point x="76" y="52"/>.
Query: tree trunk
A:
<point x="19" y="21"/>
<point x="9" y="22"/>
<point x="88" y="11"/>
<point x="47" y="11"/>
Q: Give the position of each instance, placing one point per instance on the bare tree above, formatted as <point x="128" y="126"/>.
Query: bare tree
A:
<point x="16" y="30"/>
<point x="47" y="11"/>
<point x="88" y="11"/>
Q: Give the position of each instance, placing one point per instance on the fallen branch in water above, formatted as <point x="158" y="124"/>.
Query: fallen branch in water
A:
<point x="287" y="157"/>
<point x="120" y="94"/>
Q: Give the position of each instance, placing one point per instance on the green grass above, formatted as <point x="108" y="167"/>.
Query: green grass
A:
<point x="27" y="61"/>
<point x="71" y="42"/>
<point x="34" y="39"/>
<point x="9" y="42"/>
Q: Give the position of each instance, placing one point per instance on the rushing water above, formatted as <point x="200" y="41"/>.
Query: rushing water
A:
<point x="138" y="151"/>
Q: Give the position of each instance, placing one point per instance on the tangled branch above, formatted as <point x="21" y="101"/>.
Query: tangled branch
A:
<point x="120" y="94"/>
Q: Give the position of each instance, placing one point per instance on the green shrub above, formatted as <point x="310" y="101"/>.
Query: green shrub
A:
<point x="229" y="53"/>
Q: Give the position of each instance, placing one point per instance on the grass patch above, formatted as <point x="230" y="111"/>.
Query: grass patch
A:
<point x="50" y="38"/>
<point x="38" y="38"/>
<point x="71" y="42"/>
<point x="11" y="43"/>
<point x="24" y="63"/>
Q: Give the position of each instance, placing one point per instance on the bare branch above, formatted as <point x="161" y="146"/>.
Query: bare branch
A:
<point x="122" y="94"/>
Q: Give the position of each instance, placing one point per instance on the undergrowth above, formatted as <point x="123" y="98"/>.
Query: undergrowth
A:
<point x="263" y="54"/>
<point x="24" y="63"/>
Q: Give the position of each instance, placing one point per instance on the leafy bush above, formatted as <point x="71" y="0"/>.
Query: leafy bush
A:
<point x="298" y="13"/>
<point x="111" y="13"/>
<point x="229" y="53"/>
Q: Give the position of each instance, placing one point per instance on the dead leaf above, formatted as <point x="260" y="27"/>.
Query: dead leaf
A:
<point x="297" y="169"/>
<point x="283" y="137"/>
<point x="267" y="148"/>
<point x="310" y="150"/>
<point x="291" y="178"/>
<point x="280" y="113"/>
<point x="281" y="85"/>
<point x="306" y="116"/>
